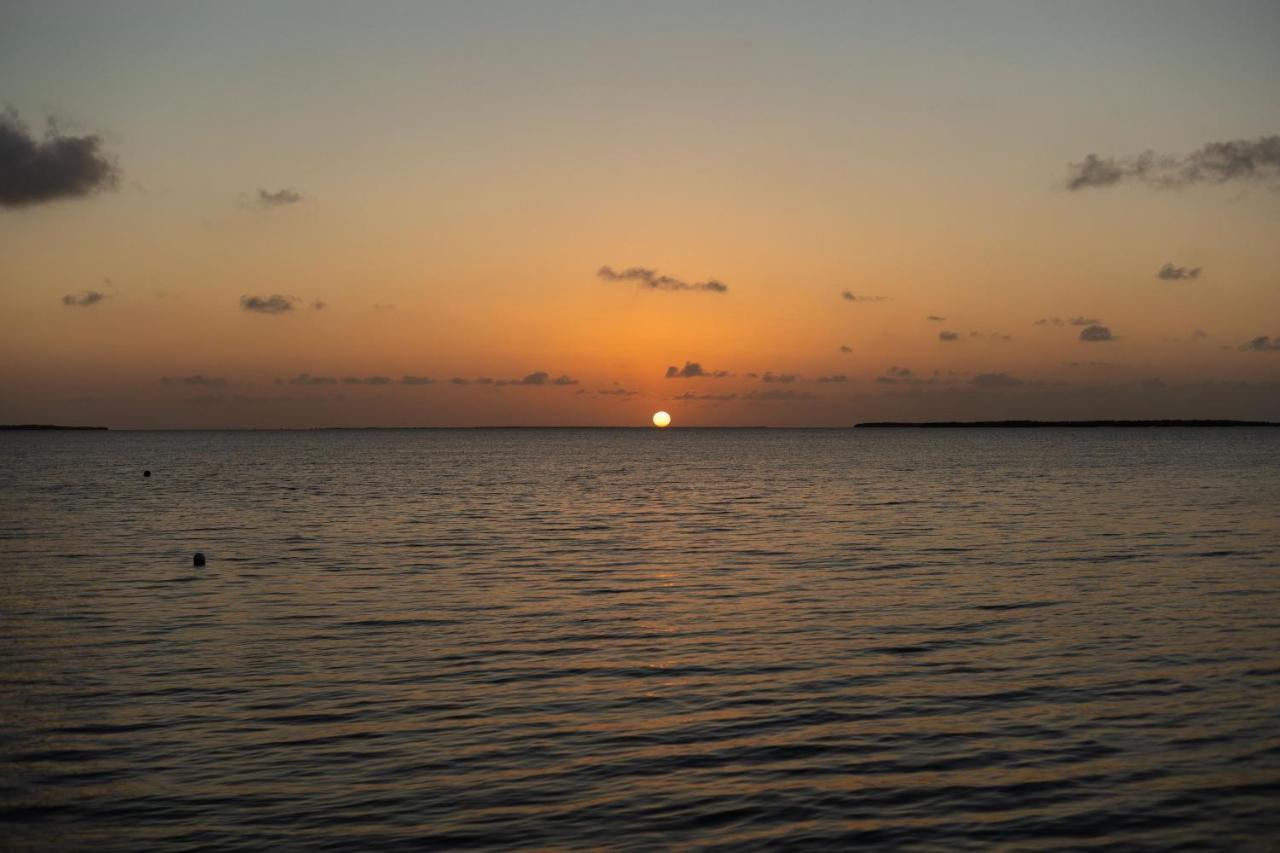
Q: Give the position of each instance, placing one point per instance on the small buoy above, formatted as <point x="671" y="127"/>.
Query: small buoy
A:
<point x="146" y="473"/>
<point x="198" y="559"/>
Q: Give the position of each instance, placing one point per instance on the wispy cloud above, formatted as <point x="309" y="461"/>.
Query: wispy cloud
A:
<point x="934" y="318"/>
<point x="1214" y="163"/>
<point x="538" y="378"/>
<point x="366" y="380"/>
<point x="1169" y="272"/>
<point x="849" y="296"/>
<point x="845" y="348"/>
<point x="83" y="299"/>
<point x="1262" y="343"/>
<point x="1071" y="321"/>
<point x="308" y="379"/>
<point x="783" y="378"/>
<point x="779" y="395"/>
<point x="416" y="380"/>
<point x="1096" y="334"/>
<point x="689" y="395"/>
<point x="279" y="198"/>
<point x="996" y="380"/>
<point x="694" y="370"/>
<point x="948" y="336"/>
<point x="273" y="304"/>
<point x="57" y="167"/>
<point x="650" y="279"/>
<point x="195" y="379"/>
<point x="835" y="377"/>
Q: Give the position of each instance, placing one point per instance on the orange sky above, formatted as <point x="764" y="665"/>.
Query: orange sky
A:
<point x="456" y="179"/>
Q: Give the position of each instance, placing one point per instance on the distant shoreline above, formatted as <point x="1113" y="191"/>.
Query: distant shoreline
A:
<point x="46" y="427"/>
<point x="1057" y="424"/>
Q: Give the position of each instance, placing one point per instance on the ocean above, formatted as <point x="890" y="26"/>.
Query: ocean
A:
<point x="921" y="639"/>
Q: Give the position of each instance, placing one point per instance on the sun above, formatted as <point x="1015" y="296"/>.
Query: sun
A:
<point x="661" y="419"/>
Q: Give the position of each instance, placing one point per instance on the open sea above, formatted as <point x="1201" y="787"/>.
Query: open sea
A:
<point x="909" y="639"/>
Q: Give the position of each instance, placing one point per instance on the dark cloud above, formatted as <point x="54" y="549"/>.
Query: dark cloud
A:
<point x="1262" y="343"/>
<point x="458" y="380"/>
<point x="901" y="372"/>
<point x="279" y="198"/>
<point x="83" y="299"/>
<point x="1215" y="163"/>
<point x="783" y="378"/>
<point x="849" y="296"/>
<point x="273" y="304"/>
<point x="689" y="395"/>
<point x="694" y="370"/>
<point x="308" y="379"/>
<point x="1169" y="272"/>
<point x="934" y="318"/>
<point x="319" y="306"/>
<point x="651" y="280"/>
<point x="537" y="378"/>
<point x="835" y="377"/>
<point x="416" y="380"/>
<point x="1095" y="334"/>
<point x="845" y="348"/>
<point x="58" y="167"/>
<point x="195" y="379"/>
<point x="996" y="380"/>
<point x="366" y="380"/>
<point x="948" y="336"/>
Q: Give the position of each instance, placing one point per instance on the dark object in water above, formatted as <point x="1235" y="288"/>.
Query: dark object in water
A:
<point x="198" y="559"/>
<point x="146" y="473"/>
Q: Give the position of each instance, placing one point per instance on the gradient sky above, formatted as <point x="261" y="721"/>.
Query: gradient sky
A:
<point x="448" y="179"/>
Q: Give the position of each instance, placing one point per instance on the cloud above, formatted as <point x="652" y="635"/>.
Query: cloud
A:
<point x="1073" y="321"/>
<point x="416" y="380"/>
<point x="783" y="378"/>
<point x="458" y="380"/>
<point x="849" y="296"/>
<point x="651" y="280"/>
<point x="689" y="395"/>
<point x="934" y="318"/>
<point x="835" y="377"/>
<point x="846" y="348"/>
<point x="195" y="379"/>
<point x="1214" y="163"/>
<point x="273" y="304"/>
<point x="694" y="370"/>
<point x="1152" y="382"/>
<point x="902" y="372"/>
<point x="83" y="299"/>
<point x="279" y="198"/>
<point x="308" y="379"/>
<point x="1089" y="363"/>
<point x="319" y="306"/>
<point x="778" y="394"/>
<point x="1262" y="343"/>
<point x="58" y="167"/>
<point x="948" y="336"/>
<point x="996" y="380"/>
<point x="366" y="380"/>
<point x="537" y="378"/>
<point x="1095" y="334"/>
<point x="1169" y="272"/>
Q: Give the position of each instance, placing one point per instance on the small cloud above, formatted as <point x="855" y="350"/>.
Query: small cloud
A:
<point x="650" y="280"/>
<point x="458" y="380"/>
<point x="308" y="379"/>
<point x="849" y="296"/>
<point x="1083" y="321"/>
<point x="778" y="395"/>
<point x="845" y="348"/>
<point x="934" y="318"/>
<point x="694" y="370"/>
<point x="57" y="167"/>
<point x="901" y="372"/>
<point x="416" y="380"/>
<point x="319" y="306"/>
<point x="1095" y="334"/>
<point x="83" y="299"/>
<point x="1262" y="343"/>
<point x="1073" y="321"/>
<point x="384" y="309"/>
<point x="279" y="198"/>
<point x="689" y="395"/>
<point x="273" y="304"/>
<point x="195" y="379"/>
<point x="996" y="380"/>
<point x="1169" y="272"/>
<point x="948" y="336"/>
<point x="835" y="377"/>
<point x="782" y="378"/>
<point x="366" y="380"/>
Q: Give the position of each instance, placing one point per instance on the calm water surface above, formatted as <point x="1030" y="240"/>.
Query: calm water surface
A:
<point x="924" y="639"/>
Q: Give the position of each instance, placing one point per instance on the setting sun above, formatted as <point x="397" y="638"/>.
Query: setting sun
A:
<point x="661" y="419"/>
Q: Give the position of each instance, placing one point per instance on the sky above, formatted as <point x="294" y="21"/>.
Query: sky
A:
<point x="306" y="214"/>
